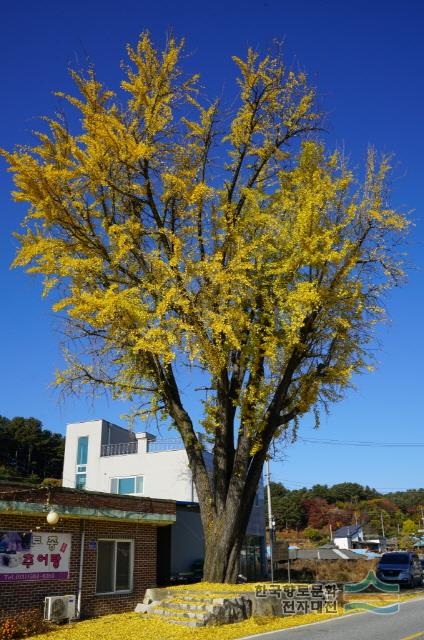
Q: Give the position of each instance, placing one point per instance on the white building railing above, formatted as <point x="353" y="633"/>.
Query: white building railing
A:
<point x="119" y="449"/>
<point x="171" y="444"/>
<point x="152" y="446"/>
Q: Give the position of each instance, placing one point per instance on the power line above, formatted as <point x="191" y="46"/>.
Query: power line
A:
<point x="361" y="443"/>
<point x="287" y="483"/>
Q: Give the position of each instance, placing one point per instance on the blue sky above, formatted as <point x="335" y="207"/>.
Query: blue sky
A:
<point x="367" y="60"/>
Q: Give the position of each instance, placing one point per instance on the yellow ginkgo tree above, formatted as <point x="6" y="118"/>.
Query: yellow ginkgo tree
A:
<point x="174" y="233"/>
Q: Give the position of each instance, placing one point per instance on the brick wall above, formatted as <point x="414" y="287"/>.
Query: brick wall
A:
<point x="18" y="596"/>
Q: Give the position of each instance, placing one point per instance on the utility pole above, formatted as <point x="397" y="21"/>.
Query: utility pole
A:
<point x="382" y="525"/>
<point x="288" y="566"/>
<point x="270" y="519"/>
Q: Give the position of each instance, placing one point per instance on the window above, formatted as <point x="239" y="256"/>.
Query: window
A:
<point x="132" y="485"/>
<point x="114" y="566"/>
<point x="82" y="455"/>
<point x="80" y="480"/>
<point x="82" y="452"/>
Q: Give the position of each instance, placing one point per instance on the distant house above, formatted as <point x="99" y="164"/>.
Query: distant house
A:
<point x="346" y="537"/>
<point x="372" y="542"/>
<point x="353" y="537"/>
<point x="419" y="543"/>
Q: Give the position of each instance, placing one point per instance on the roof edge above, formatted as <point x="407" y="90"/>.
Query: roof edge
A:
<point x="90" y="513"/>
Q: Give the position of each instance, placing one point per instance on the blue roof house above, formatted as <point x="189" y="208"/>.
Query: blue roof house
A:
<point x="345" y="537"/>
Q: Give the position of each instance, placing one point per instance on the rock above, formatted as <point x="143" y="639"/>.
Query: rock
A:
<point x="266" y="607"/>
<point x="230" y="611"/>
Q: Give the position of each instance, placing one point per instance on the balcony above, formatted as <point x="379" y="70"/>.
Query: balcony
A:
<point x="170" y="444"/>
<point x="148" y="445"/>
<point x="119" y="449"/>
<point x="174" y="444"/>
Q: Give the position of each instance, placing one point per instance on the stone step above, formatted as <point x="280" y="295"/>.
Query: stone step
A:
<point x="178" y="618"/>
<point x="192" y="598"/>
<point x="197" y="592"/>
<point x="190" y="606"/>
<point x="180" y="613"/>
<point x="216" y="601"/>
<point x="198" y="609"/>
<point x="198" y="596"/>
<point x="186" y="623"/>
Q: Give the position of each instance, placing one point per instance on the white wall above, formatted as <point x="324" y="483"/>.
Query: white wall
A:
<point x="166" y="473"/>
<point x="346" y="543"/>
<point x="92" y="429"/>
<point x="341" y="543"/>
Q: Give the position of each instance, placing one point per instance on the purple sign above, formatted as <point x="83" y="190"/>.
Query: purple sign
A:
<point x="34" y="555"/>
<point x="20" y="577"/>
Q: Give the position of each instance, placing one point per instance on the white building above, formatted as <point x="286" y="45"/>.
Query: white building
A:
<point x="346" y="537"/>
<point x="101" y="456"/>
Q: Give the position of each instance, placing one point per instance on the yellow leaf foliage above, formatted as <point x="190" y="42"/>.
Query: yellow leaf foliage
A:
<point x="166" y="241"/>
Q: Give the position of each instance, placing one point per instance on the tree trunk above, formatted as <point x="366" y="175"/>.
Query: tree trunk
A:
<point x="224" y="536"/>
<point x="222" y="551"/>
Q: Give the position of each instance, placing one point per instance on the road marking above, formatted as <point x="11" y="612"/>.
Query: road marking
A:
<point x="328" y="621"/>
<point x="420" y="634"/>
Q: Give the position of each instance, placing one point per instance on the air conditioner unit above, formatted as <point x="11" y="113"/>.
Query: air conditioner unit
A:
<point x="57" y="608"/>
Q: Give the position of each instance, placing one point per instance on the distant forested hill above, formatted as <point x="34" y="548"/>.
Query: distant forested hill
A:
<point x="28" y="451"/>
<point x="312" y="511"/>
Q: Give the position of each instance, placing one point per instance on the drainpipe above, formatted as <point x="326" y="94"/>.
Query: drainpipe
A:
<point x="81" y="568"/>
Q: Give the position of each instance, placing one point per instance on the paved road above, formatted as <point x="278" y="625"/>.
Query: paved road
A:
<point x="407" y="624"/>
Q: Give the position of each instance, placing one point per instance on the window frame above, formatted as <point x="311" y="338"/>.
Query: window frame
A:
<point x="118" y="478"/>
<point x="131" y="569"/>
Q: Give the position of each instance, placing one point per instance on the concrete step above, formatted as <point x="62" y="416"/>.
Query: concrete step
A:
<point x="191" y="598"/>
<point x="196" y="592"/>
<point x="179" y="613"/>
<point x="186" y="623"/>
<point x="176" y="617"/>
<point x="192" y="609"/>
<point x="189" y="606"/>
